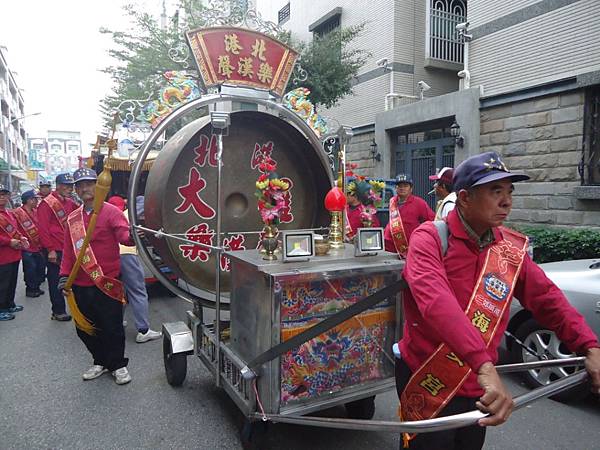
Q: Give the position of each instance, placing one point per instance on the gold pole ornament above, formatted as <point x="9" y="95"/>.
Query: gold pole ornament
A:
<point x="103" y="184"/>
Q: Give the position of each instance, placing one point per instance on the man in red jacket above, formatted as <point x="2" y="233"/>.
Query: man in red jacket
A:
<point x="34" y="264"/>
<point x="457" y="308"/>
<point x="98" y="291"/>
<point x="11" y="244"/>
<point x="407" y="212"/>
<point x="52" y="215"/>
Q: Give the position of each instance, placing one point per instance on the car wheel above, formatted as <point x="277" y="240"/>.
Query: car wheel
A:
<point x="545" y="345"/>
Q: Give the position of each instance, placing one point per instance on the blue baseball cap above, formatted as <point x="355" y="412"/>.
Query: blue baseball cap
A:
<point x="64" y="178"/>
<point x="482" y="169"/>
<point x="404" y="178"/>
<point x="85" y="174"/>
<point x="27" y="195"/>
<point x="3" y="188"/>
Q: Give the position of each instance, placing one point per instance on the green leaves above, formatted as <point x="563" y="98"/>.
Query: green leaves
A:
<point x="551" y="245"/>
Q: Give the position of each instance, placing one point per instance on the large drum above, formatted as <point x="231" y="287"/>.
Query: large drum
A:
<point x="181" y="191"/>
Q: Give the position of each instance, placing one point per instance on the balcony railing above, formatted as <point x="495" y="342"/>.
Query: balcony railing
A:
<point x="443" y="42"/>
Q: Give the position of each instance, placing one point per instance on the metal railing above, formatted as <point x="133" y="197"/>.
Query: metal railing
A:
<point x="444" y="42"/>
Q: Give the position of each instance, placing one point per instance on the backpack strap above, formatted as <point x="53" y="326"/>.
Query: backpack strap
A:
<point x="442" y="228"/>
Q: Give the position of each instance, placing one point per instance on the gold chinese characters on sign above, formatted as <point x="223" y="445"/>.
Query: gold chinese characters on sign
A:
<point x="242" y="57"/>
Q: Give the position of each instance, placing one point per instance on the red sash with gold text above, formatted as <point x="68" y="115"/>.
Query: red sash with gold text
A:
<point x="9" y="228"/>
<point x="110" y="286"/>
<point x="26" y="221"/>
<point x="57" y="208"/>
<point x="436" y="382"/>
<point x="397" y="229"/>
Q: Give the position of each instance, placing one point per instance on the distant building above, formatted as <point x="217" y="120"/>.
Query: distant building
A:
<point x="63" y="152"/>
<point x="13" y="136"/>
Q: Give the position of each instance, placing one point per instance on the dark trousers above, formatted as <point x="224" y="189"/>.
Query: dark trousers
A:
<point x="107" y="345"/>
<point x="8" y="284"/>
<point x="34" y="269"/>
<point x="56" y="297"/>
<point x="466" y="438"/>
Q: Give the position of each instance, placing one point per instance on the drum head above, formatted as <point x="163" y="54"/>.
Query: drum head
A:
<point x="181" y="191"/>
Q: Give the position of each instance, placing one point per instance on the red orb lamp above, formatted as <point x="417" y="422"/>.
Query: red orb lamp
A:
<point x="335" y="203"/>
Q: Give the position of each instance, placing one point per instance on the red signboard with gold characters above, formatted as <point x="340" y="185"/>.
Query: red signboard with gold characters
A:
<point x="242" y="57"/>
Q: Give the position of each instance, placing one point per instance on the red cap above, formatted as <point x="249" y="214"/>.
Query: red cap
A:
<point x="444" y="175"/>
<point x="117" y="201"/>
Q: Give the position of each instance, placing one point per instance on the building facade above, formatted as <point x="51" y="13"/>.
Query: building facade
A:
<point x="539" y="65"/>
<point x="413" y="45"/>
<point x="13" y="137"/>
<point x="63" y="152"/>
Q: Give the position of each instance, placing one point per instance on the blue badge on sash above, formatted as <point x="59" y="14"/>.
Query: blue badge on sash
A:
<point x="79" y="244"/>
<point x="496" y="288"/>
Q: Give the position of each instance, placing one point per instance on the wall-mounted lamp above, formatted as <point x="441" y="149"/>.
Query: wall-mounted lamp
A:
<point x="455" y="132"/>
<point x="375" y="155"/>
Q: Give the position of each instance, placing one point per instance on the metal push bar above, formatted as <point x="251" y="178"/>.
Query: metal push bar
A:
<point x="449" y="422"/>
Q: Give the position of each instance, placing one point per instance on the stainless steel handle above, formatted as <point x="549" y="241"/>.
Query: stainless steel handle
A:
<point x="439" y="423"/>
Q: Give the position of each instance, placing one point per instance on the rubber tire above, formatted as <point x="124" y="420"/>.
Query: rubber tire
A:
<point x="175" y="364"/>
<point x="252" y="434"/>
<point x="361" y="409"/>
<point x="528" y="327"/>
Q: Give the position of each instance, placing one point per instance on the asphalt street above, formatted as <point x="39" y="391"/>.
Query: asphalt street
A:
<point x="45" y="404"/>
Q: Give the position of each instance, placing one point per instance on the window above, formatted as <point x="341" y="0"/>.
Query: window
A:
<point x="73" y="148"/>
<point x="56" y="146"/>
<point x="589" y="167"/>
<point x="328" y="23"/>
<point x="284" y="14"/>
<point x="38" y="146"/>
<point x="443" y="42"/>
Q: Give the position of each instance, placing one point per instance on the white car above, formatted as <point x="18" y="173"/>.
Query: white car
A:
<point x="580" y="282"/>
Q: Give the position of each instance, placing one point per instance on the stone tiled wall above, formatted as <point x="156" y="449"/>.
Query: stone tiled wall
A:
<point x="359" y="151"/>
<point x="542" y="137"/>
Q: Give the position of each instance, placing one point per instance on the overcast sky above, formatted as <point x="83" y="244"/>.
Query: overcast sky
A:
<point x="56" y="49"/>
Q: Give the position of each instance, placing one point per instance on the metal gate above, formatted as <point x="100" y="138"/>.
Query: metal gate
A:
<point x="422" y="159"/>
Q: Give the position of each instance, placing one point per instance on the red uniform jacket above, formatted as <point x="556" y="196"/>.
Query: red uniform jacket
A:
<point x="51" y="231"/>
<point x="33" y="216"/>
<point x="440" y="290"/>
<point x="354" y="220"/>
<point x="413" y="213"/>
<point x="111" y="230"/>
<point x="7" y="253"/>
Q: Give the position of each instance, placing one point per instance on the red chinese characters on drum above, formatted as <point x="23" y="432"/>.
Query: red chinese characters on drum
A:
<point x="203" y="235"/>
<point x="193" y="198"/>
<point x="231" y="243"/>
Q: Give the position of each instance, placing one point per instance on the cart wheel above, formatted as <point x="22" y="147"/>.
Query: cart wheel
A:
<point x="252" y="434"/>
<point x="361" y="409"/>
<point x="175" y="364"/>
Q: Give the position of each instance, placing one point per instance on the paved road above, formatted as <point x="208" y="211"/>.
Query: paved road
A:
<point x="45" y="404"/>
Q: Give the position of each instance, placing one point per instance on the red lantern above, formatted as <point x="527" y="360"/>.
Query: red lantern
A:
<point x="335" y="200"/>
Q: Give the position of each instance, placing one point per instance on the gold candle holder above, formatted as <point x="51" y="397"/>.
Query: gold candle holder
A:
<point x="336" y="235"/>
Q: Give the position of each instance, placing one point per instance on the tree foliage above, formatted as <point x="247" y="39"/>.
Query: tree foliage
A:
<point x="142" y="56"/>
<point x="331" y="63"/>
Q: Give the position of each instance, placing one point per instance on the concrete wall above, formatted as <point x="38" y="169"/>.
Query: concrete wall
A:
<point x="543" y="137"/>
<point x="463" y="106"/>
